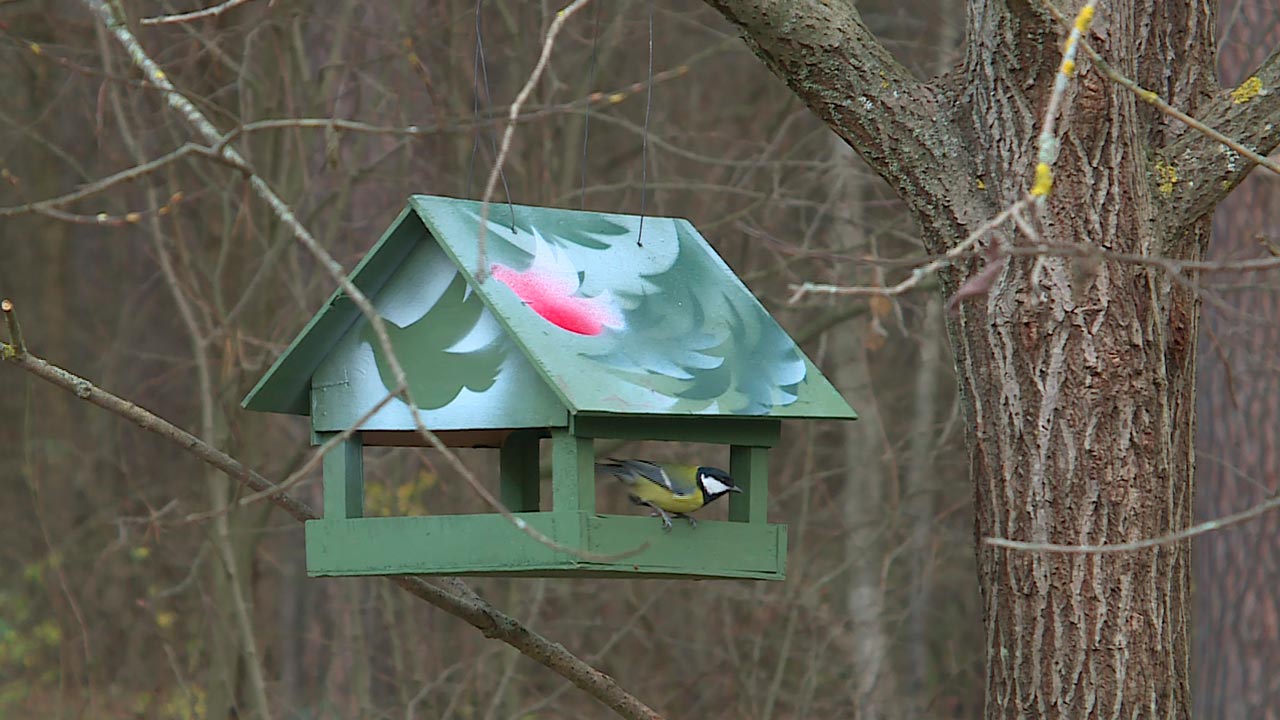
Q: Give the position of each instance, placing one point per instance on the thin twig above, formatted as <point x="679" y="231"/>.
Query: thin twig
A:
<point x="917" y="275"/>
<point x="1178" y="269"/>
<point x="1152" y="98"/>
<point x="301" y="473"/>
<point x="18" y="344"/>
<point x="202" y="125"/>
<point x="1199" y="529"/>
<point x="208" y="12"/>
<point x="470" y="607"/>
<point x="595" y="99"/>
<point x="1048" y="140"/>
<point x="285" y="214"/>
<point x="1093" y="252"/>
<point x="98" y="186"/>
<point x="482" y="269"/>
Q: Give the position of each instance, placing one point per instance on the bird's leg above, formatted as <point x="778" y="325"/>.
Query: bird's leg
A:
<point x="692" y="523"/>
<point x="666" y="519"/>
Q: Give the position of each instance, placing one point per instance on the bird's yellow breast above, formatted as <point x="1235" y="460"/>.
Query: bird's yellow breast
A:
<point x="666" y="500"/>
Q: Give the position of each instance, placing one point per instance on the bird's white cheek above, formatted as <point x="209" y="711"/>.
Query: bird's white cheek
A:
<point x="713" y="485"/>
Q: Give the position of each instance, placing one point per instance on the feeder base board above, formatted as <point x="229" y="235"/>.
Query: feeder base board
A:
<point x="490" y="545"/>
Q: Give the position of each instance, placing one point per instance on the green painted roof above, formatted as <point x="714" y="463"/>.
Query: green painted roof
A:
<point x="615" y="314"/>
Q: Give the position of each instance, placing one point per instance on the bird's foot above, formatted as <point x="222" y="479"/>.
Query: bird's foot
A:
<point x="692" y="523"/>
<point x="659" y="512"/>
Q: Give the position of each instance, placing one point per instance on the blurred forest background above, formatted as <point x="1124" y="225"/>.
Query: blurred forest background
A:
<point x="114" y="606"/>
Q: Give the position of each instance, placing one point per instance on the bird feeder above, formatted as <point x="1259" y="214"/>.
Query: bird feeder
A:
<point x="581" y="326"/>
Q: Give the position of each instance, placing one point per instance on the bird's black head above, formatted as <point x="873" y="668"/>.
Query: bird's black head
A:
<point x="715" y="482"/>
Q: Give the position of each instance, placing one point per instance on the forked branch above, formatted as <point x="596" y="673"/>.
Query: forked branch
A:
<point x="1207" y="170"/>
<point x="206" y="129"/>
<point x="897" y="124"/>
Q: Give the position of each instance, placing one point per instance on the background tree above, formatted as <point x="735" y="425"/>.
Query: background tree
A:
<point x="114" y="603"/>
<point x="1237" y="613"/>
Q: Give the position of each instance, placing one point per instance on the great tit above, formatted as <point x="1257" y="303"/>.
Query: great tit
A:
<point x="674" y="489"/>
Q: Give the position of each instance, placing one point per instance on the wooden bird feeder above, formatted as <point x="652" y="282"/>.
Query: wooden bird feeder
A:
<point x="580" y="329"/>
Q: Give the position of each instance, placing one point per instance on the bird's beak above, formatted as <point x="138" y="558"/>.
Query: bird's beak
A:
<point x="735" y="488"/>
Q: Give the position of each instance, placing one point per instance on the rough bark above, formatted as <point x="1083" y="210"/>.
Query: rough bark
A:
<point x="1080" y="383"/>
<point x="1236" y="643"/>
<point x="1077" y="377"/>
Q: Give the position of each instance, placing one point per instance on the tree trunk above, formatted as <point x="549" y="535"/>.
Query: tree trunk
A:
<point x="866" y="475"/>
<point x="1079" y="385"/>
<point x="1076" y="366"/>
<point x="922" y="487"/>
<point x="1237" y="611"/>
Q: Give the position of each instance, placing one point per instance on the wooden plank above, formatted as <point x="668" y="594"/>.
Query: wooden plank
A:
<point x="713" y="548"/>
<point x="451" y="438"/>
<point x="749" y="467"/>
<point x="489" y="545"/>
<point x="757" y="432"/>
<point x="573" y="472"/>
<point x="436" y="545"/>
<point x="344" y="477"/>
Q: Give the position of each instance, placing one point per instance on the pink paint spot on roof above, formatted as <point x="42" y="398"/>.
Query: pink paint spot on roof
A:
<point x="550" y="288"/>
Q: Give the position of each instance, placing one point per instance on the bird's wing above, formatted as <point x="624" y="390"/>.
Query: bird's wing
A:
<point x="654" y="473"/>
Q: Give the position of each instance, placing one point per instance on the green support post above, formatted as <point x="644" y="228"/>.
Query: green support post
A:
<point x="749" y="467"/>
<point x="344" y="478"/>
<point x="519" y="471"/>
<point x="573" y="472"/>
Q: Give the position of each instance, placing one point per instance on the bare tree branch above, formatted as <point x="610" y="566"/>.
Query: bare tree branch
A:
<point x="1199" y="529"/>
<point x="208" y="12"/>
<point x="18" y="346"/>
<point x="471" y="608"/>
<point x="482" y="269"/>
<point x="1203" y="170"/>
<point x="507" y="629"/>
<point x="1167" y="177"/>
<point x="900" y="126"/>
<point x="98" y="186"/>
<point x="960" y="249"/>
<point x="289" y="219"/>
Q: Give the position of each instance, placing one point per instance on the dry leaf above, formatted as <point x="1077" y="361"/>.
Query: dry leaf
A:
<point x="881" y="306"/>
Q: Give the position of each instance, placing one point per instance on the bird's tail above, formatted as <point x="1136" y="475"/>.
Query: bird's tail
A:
<point x="615" y="470"/>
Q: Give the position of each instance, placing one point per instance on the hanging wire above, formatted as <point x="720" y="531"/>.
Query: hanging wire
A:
<point x="480" y="69"/>
<point x="475" y="101"/>
<point x="586" y="122"/>
<point x="644" y="139"/>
